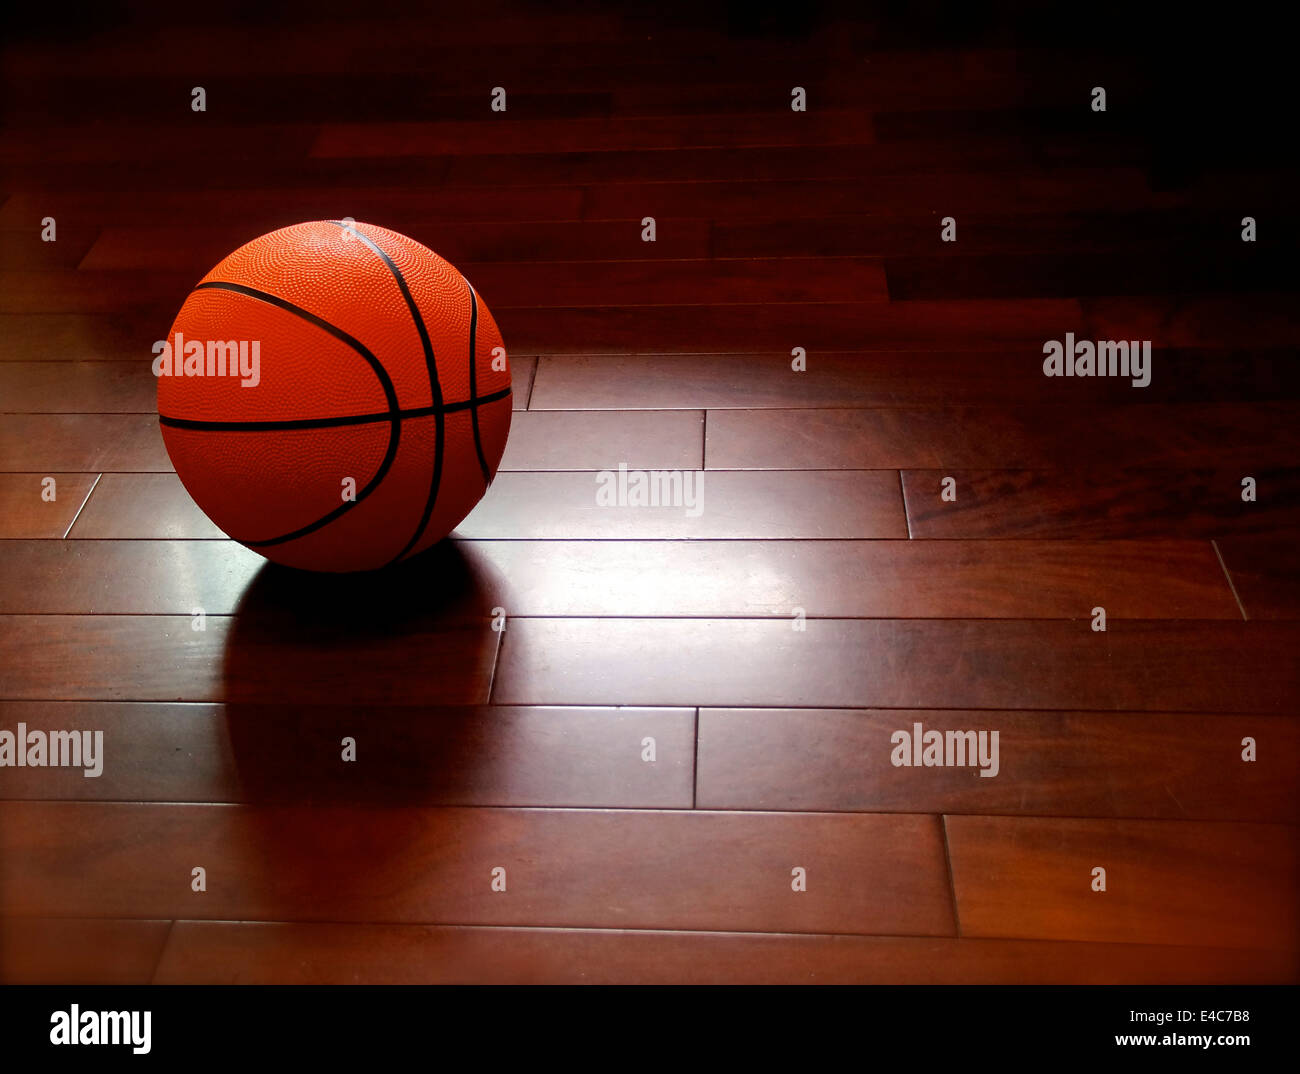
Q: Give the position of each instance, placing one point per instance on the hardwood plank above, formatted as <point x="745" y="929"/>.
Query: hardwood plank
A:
<point x="596" y="440"/>
<point x="224" y="171"/>
<point x="1246" y="320"/>
<point x="569" y="284"/>
<point x="862" y="235"/>
<point x="1090" y="503"/>
<point x="82" y="442"/>
<point x="727" y="164"/>
<point x="975" y="76"/>
<point x="734" y="329"/>
<point x="721" y="504"/>
<point x="162" y="658"/>
<point x="146" y="144"/>
<point x="76" y="291"/>
<point x="966" y="82"/>
<point x="818" y="327"/>
<point x="837" y="380"/>
<point x="133" y="577"/>
<point x="522" y="373"/>
<point x="272" y="96"/>
<point x="473" y="756"/>
<point x="70" y="951"/>
<point x="867" y="873"/>
<point x="842" y="235"/>
<point x="261" y="210"/>
<point x="998" y="664"/>
<point x="25" y="511"/>
<point x="898" y="51"/>
<point x="1077" y="189"/>
<point x="594" y="135"/>
<point x="596" y="52"/>
<point x="1265" y="572"/>
<point x="555" y="504"/>
<point x="518" y="241"/>
<point x="76" y="387"/>
<point x="843" y="578"/>
<point x="1220" y="885"/>
<point x="899" y="234"/>
<point x="1154" y="435"/>
<point x="849" y="578"/>
<point x="26" y="250"/>
<point x="1069" y="764"/>
<point x="1076" y="273"/>
<point x="384" y="44"/>
<point x="710" y="49"/>
<point x="68" y="337"/>
<point x="976" y="325"/>
<point x="161" y="577"/>
<point x="240" y="952"/>
<point x="142" y="505"/>
<point x="685" y="282"/>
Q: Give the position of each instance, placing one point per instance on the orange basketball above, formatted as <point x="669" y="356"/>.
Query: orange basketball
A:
<point x="335" y="396"/>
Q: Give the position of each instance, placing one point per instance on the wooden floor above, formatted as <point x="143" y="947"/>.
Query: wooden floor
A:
<point x="825" y="598"/>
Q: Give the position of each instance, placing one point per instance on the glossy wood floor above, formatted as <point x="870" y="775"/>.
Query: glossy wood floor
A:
<point x="523" y="749"/>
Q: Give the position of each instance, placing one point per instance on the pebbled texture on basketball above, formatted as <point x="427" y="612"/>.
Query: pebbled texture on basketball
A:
<point x="378" y="365"/>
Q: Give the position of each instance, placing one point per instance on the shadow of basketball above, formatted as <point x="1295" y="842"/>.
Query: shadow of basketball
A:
<point x="334" y="729"/>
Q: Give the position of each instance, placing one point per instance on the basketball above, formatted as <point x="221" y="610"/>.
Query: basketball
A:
<point x="334" y="395"/>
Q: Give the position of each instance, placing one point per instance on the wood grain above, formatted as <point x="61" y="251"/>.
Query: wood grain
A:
<point x="26" y="509"/>
<point x="507" y="285"/>
<point x="71" y="337"/>
<point x="599" y="134"/>
<point x="1075" y="273"/>
<point x="1156" y="435"/>
<point x="142" y="505"/>
<point x="754" y="579"/>
<point x="897" y="234"/>
<point x="1126" y="503"/>
<point x="221" y="952"/>
<point x="1265" y="573"/>
<point x="628" y="869"/>
<point x="72" y="951"/>
<point x="859" y="379"/>
<point x="26" y="251"/>
<point x="817" y="327"/>
<point x="79" y="387"/>
<point x="260" y="210"/>
<point x="1181" y="882"/>
<point x="599" y="440"/>
<point x="994" y="664"/>
<point x="516" y="241"/>
<point x="479" y="756"/>
<point x="162" y="658"/>
<point x="716" y="504"/>
<point x="85" y="442"/>
<point x="1082" y="188"/>
<point x="1070" y="764"/>
<point x="552" y="504"/>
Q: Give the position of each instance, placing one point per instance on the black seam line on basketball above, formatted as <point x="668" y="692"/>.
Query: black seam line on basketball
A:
<point x="390" y="393"/>
<point x="435" y="387"/>
<point x="473" y="384"/>
<point x="329" y="423"/>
